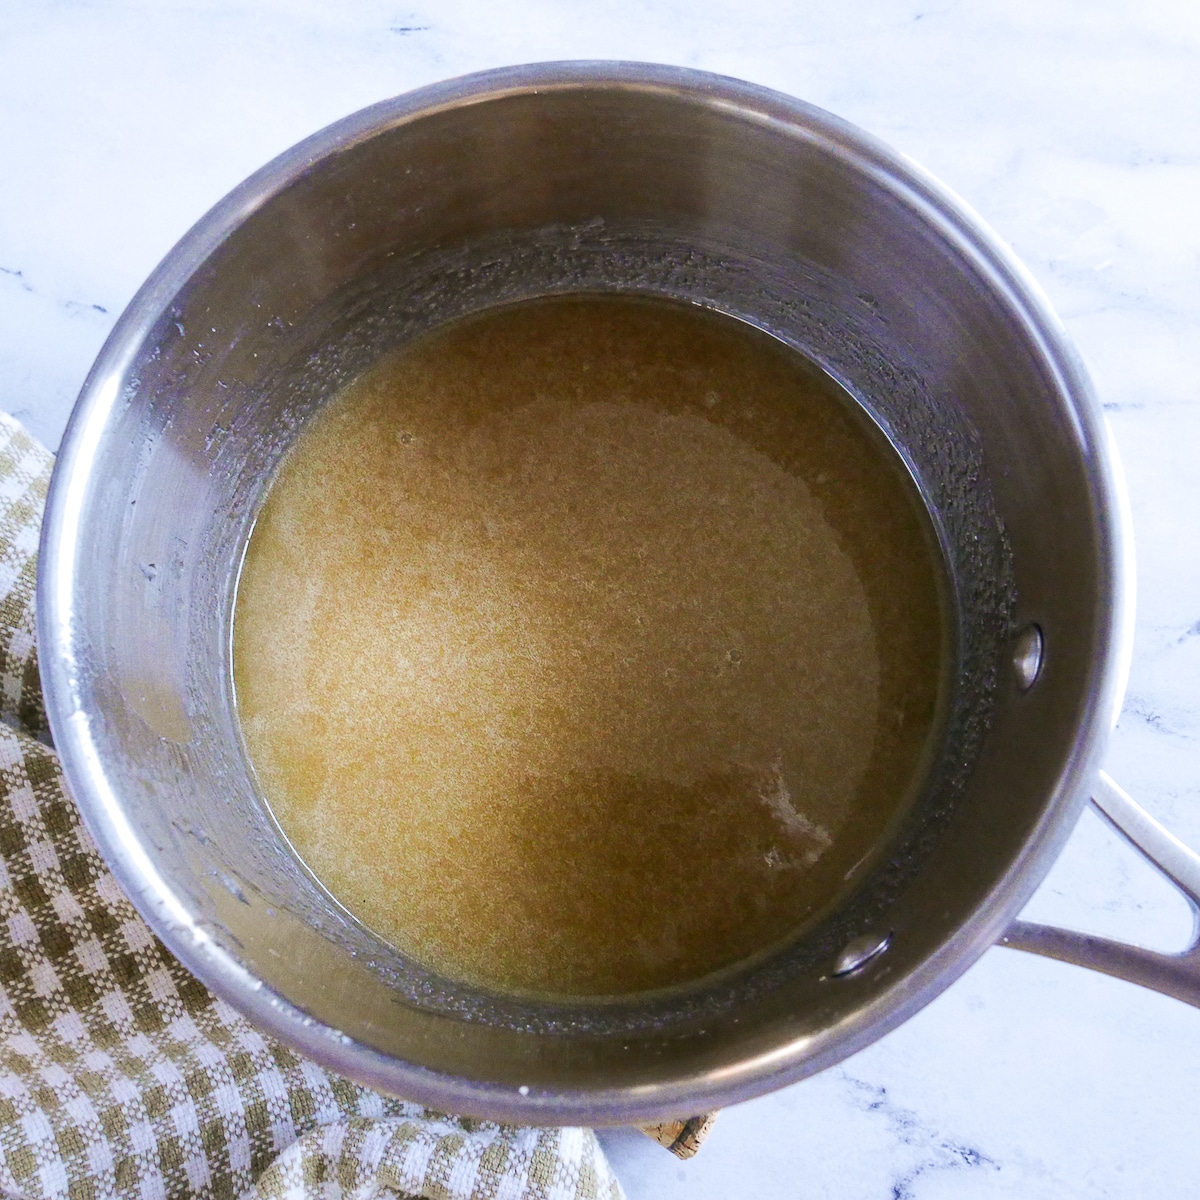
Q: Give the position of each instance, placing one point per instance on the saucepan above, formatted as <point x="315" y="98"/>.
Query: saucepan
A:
<point x="586" y="178"/>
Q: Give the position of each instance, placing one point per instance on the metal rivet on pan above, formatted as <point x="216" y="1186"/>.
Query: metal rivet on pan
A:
<point x="858" y="952"/>
<point x="1028" y="648"/>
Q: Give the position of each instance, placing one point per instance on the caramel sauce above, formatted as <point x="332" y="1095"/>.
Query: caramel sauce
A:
<point x="589" y="645"/>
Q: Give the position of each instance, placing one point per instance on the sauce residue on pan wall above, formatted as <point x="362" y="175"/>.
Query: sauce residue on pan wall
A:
<point x="588" y="645"/>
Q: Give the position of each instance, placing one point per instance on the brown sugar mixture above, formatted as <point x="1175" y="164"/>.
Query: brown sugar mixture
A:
<point x="589" y="645"/>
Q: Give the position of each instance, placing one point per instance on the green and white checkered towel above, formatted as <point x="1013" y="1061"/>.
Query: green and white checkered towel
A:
<point x="120" y="1074"/>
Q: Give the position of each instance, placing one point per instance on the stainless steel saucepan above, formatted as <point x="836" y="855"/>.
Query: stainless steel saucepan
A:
<point x="582" y="178"/>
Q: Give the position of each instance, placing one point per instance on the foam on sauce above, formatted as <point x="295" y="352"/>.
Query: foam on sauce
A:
<point x="588" y="645"/>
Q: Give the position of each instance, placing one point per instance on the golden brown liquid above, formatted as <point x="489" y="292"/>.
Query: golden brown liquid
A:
<point x="588" y="645"/>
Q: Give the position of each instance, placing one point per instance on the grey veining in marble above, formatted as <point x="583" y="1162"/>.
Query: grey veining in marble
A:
<point x="1075" y="130"/>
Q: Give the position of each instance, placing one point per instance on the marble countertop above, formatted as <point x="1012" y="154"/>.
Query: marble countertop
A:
<point x="1074" y="129"/>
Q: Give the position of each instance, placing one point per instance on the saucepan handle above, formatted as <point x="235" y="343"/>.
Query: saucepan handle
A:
<point x="1175" y="975"/>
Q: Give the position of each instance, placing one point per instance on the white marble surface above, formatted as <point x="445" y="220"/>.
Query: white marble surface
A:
<point x="1074" y="128"/>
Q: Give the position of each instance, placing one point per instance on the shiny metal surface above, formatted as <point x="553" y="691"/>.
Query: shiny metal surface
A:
<point x="1176" y="975"/>
<point x="576" y="177"/>
<point x="1028" y="648"/>
<point x="857" y="953"/>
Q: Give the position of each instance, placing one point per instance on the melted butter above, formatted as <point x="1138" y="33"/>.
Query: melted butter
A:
<point x="588" y="645"/>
